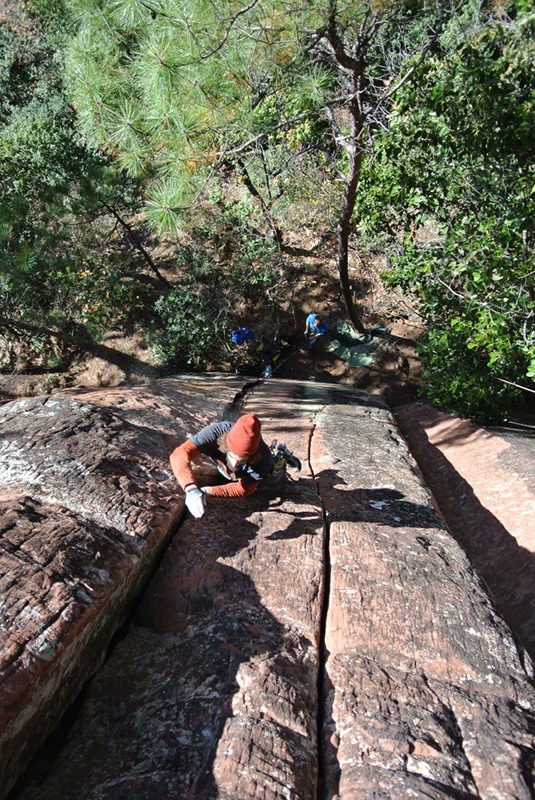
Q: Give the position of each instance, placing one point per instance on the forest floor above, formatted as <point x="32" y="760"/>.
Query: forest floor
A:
<point x="395" y="375"/>
<point x="126" y="360"/>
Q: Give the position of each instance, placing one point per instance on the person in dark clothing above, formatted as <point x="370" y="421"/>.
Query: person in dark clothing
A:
<point x="241" y="456"/>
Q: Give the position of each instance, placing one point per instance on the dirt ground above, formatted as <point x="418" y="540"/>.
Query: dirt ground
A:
<point x="127" y="360"/>
<point x="396" y="377"/>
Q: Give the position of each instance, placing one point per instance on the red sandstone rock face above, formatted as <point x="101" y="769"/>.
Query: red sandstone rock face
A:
<point x="213" y="693"/>
<point x="328" y="638"/>
<point x="484" y="480"/>
<point x="87" y="502"/>
<point x="427" y="695"/>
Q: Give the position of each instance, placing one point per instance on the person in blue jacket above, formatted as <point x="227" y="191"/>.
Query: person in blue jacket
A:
<point x="315" y="328"/>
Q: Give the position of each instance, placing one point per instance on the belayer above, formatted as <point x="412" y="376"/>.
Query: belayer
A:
<point x="315" y="327"/>
<point x="240" y="454"/>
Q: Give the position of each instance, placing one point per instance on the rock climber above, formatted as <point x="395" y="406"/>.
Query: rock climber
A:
<point x="315" y="328"/>
<point x="239" y="452"/>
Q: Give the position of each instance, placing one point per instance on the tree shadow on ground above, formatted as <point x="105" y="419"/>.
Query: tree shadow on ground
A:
<point x="383" y="505"/>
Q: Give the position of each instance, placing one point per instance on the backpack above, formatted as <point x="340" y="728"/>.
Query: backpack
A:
<point x="240" y="335"/>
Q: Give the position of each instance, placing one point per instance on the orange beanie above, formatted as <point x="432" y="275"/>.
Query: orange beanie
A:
<point x="243" y="438"/>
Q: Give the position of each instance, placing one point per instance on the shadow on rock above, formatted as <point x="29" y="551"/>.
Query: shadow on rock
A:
<point x="507" y="568"/>
<point x="293" y="522"/>
<point x="165" y="696"/>
<point x="383" y="505"/>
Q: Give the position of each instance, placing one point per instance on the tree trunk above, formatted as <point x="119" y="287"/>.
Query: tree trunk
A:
<point x="27" y="327"/>
<point x="344" y="227"/>
<point x="348" y="204"/>
<point x="137" y="243"/>
<point x="354" y="71"/>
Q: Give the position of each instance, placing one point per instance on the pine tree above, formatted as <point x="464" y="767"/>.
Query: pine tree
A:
<point x="174" y="88"/>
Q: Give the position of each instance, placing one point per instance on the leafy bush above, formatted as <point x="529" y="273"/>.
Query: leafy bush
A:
<point x="451" y="184"/>
<point x="458" y="375"/>
<point x="226" y="269"/>
<point x="184" y="333"/>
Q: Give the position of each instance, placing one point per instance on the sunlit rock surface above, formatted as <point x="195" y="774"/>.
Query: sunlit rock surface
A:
<point x="426" y="692"/>
<point x="327" y="638"/>
<point x="87" y="503"/>
<point x="484" y="480"/>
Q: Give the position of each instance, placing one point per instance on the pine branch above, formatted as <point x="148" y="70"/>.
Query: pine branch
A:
<point x="136" y="241"/>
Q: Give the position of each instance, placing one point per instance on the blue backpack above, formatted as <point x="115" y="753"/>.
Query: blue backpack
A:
<point x="240" y="335"/>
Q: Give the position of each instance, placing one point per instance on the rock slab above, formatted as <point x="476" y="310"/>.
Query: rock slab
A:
<point x="327" y="638"/>
<point x="87" y="504"/>
<point x="484" y="482"/>
<point x="427" y="693"/>
<point x="213" y="691"/>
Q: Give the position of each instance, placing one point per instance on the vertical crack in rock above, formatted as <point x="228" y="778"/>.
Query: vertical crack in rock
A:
<point x="229" y="411"/>
<point x="321" y="690"/>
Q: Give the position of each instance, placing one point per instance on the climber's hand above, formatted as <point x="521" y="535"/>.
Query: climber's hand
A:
<point x="195" y="500"/>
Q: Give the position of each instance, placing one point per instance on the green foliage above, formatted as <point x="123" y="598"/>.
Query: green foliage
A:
<point x="59" y="270"/>
<point x="245" y="261"/>
<point x="458" y="375"/>
<point x="193" y="321"/>
<point x="146" y="91"/>
<point x="227" y="268"/>
<point x="56" y="21"/>
<point x="185" y="331"/>
<point x="173" y="90"/>
<point x="180" y="95"/>
<point x="454" y="176"/>
<point x="97" y="290"/>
